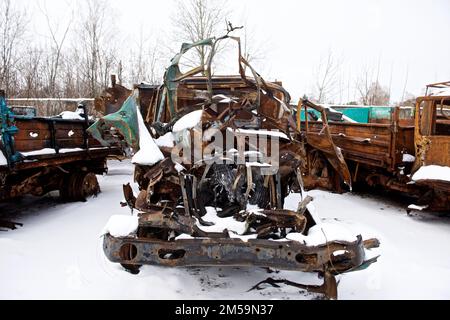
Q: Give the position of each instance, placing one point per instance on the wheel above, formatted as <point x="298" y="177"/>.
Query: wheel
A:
<point x="78" y="186"/>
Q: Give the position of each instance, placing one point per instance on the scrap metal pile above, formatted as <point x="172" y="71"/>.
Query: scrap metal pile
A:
<point x="215" y="158"/>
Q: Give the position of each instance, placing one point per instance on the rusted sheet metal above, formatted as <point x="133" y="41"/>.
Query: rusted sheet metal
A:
<point x="432" y="143"/>
<point x="432" y="131"/>
<point x="112" y="98"/>
<point x="36" y="163"/>
<point x="73" y="175"/>
<point x="290" y="255"/>
<point x="375" y="144"/>
<point x="388" y="154"/>
<point x="323" y="141"/>
<point x="245" y="180"/>
<point x="121" y="126"/>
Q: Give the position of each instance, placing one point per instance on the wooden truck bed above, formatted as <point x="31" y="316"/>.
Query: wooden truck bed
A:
<point x="380" y="145"/>
<point x="53" y="141"/>
<point x="47" y="154"/>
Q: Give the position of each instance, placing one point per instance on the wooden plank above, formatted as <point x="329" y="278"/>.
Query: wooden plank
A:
<point x="64" y="133"/>
<point x="28" y="145"/>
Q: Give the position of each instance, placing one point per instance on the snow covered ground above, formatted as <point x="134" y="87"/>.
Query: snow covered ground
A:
<point x="58" y="254"/>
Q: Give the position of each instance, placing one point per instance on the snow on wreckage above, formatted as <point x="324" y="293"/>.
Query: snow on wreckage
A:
<point x="216" y="158"/>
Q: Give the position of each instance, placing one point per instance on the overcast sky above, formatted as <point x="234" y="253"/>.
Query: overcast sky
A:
<point x="407" y="37"/>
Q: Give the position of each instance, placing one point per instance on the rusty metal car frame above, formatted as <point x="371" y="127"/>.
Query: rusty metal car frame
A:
<point x="173" y="202"/>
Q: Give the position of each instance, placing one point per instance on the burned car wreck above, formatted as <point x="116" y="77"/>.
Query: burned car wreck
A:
<point x="215" y="159"/>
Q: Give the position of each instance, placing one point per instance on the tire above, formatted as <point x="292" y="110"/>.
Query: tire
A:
<point x="78" y="186"/>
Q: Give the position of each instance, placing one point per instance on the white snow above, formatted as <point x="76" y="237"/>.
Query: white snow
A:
<point x="70" y="115"/>
<point x="148" y="153"/>
<point x="223" y="98"/>
<point x="432" y="172"/>
<point x="3" y="161"/>
<point x="416" y="207"/>
<point x="67" y="150"/>
<point x="70" y="133"/>
<point x="323" y="233"/>
<point x="58" y="253"/>
<point x="408" y="158"/>
<point x="39" y="152"/>
<point x="166" y="140"/>
<point x="234" y="235"/>
<point x="291" y="203"/>
<point x="257" y="164"/>
<point x="441" y="93"/>
<point x="188" y="121"/>
<point x="98" y="148"/>
<point x="34" y="134"/>
<point x="179" y="167"/>
<point x="46" y="151"/>
<point x="272" y="133"/>
<point x="220" y="224"/>
<point x="184" y="236"/>
<point x="209" y="133"/>
<point x="253" y="208"/>
<point x="252" y="153"/>
<point x="121" y="225"/>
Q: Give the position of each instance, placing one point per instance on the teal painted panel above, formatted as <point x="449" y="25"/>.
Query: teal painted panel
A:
<point x="302" y="113"/>
<point x="360" y="115"/>
<point x="125" y="121"/>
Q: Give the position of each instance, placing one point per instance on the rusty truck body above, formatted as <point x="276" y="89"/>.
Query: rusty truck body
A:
<point x="43" y="154"/>
<point x="390" y="148"/>
<point x="228" y="207"/>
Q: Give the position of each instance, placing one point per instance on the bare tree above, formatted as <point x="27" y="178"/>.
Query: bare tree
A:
<point x="31" y="67"/>
<point x="196" y="20"/>
<point x="96" y="45"/>
<point x="390" y="79"/>
<point x="378" y="94"/>
<point x="326" y="76"/>
<point x="57" y="40"/>
<point x="369" y="89"/>
<point x="252" y="50"/>
<point x="363" y="85"/>
<point x="72" y="76"/>
<point x="144" y="60"/>
<point x="408" y="100"/>
<point x="120" y="76"/>
<point x="13" y="23"/>
<point x="138" y="63"/>
<point x="406" y="82"/>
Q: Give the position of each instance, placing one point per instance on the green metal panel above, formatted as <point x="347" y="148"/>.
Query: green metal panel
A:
<point x="360" y="115"/>
<point x="7" y="131"/>
<point x="302" y="114"/>
<point x="125" y="121"/>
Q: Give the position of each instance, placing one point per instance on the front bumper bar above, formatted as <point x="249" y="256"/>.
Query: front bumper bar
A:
<point x="335" y="256"/>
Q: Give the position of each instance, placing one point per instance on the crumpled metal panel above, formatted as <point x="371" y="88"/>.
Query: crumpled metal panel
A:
<point x="123" y="122"/>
